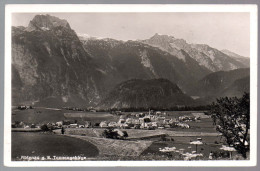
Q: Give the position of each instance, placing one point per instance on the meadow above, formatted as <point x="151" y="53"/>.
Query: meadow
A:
<point x="140" y="144"/>
<point x="42" y="144"/>
<point x="40" y="115"/>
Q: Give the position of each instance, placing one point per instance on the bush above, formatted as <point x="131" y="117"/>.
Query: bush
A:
<point x="220" y="155"/>
<point x="110" y="133"/>
<point x="44" y="128"/>
<point x="125" y="134"/>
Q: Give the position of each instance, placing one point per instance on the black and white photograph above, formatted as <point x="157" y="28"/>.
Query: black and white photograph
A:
<point x="131" y="86"/>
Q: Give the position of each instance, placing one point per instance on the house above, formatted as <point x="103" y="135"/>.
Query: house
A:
<point x="103" y="124"/>
<point x="172" y="120"/>
<point x="22" y="107"/>
<point x="136" y="121"/>
<point x="121" y="121"/>
<point x="167" y="126"/>
<point x="27" y="127"/>
<point x="59" y="123"/>
<point x="118" y="112"/>
<point x="166" y="121"/>
<point x="141" y="115"/>
<point x="67" y="122"/>
<point x="129" y="120"/>
<point x="87" y="124"/>
<point x="21" y="125"/>
<point x="154" y="124"/>
<point x="73" y="125"/>
<point x="148" y="125"/>
<point x="137" y="126"/>
<point x="82" y="124"/>
<point x="112" y="124"/>
<point x="158" y="113"/>
<point x="182" y="125"/>
<point x="201" y="115"/>
<point x="133" y="114"/>
<point x="124" y="126"/>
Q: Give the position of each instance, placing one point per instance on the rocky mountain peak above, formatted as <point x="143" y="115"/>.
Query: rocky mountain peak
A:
<point x="201" y="47"/>
<point x="162" y="37"/>
<point x="46" y="22"/>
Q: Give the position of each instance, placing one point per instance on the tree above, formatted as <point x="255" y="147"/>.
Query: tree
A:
<point x="125" y="134"/>
<point x="110" y="133"/>
<point x="44" y="128"/>
<point x="232" y="118"/>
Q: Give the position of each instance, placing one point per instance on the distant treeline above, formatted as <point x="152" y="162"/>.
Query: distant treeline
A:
<point x="142" y="109"/>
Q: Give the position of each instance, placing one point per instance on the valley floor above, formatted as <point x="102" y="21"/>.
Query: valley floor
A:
<point x="88" y="143"/>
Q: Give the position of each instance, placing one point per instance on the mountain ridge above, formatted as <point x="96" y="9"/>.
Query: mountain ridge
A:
<point x="53" y="66"/>
<point x="206" y="56"/>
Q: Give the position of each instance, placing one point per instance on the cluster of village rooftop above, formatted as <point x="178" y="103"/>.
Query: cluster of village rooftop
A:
<point x="155" y="120"/>
<point x="151" y="120"/>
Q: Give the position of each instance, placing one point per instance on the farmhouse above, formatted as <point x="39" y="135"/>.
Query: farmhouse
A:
<point x="112" y="124"/>
<point x="59" y="123"/>
<point x="83" y="124"/>
<point x="121" y="121"/>
<point x="73" y="125"/>
<point x="200" y="115"/>
<point x="103" y="124"/>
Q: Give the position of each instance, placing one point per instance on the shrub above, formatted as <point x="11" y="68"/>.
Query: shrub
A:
<point x="44" y="128"/>
<point x="125" y="134"/>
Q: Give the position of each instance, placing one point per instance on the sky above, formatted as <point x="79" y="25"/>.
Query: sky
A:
<point x="219" y="30"/>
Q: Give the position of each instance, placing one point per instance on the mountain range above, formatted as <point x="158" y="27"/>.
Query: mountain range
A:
<point x="54" y="66"/>
<point x="206" y="56"/>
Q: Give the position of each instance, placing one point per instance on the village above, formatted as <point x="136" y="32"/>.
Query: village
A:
<point x="137" y="120"/>
<point x="165" y="134"/>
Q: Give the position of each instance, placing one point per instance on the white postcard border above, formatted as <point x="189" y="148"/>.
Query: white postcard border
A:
<point x="47" y="8"/>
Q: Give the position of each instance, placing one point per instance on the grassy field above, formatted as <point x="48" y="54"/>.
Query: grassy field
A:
<point x="91" y="116"/>
<point x="40" y="144"/>
<point x="81" y="131"/>
<point x="40" y="115"/>
<point x="184" y="142"/>
<point x="37" y="115"/>
<point x="45" y="115"/>
<point x="112" y="147"/>
<point x="87" y="141"/>
<point x="204" y="125"/>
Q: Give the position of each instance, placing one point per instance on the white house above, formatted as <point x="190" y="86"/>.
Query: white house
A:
<point x="103" y="124"/>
